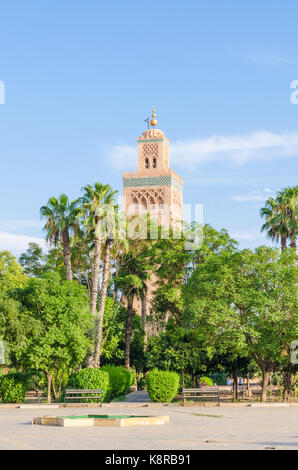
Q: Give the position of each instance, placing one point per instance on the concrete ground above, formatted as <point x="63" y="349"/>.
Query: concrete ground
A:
<point x="189" y="429"/>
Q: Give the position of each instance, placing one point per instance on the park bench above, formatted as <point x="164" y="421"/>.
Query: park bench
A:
<point x="81" y="394"/>
<point x="202" y="394"/>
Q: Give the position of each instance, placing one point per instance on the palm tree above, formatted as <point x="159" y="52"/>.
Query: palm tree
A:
<point x="61" y="222"/>
<point x="132" y="279"/>
<point x="111" y="246"/>
<point x="276" y="230"/>
<point x="103" y="295"/>
<point x="288" y="202"/>
<point x="94" y="199"/>
<point x="281" y="217"/>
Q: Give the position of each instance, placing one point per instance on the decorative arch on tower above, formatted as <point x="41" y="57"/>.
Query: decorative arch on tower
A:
<point x="146" y="199"/>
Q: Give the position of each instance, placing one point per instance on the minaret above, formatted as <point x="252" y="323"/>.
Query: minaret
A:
<point x="155" y="187"/>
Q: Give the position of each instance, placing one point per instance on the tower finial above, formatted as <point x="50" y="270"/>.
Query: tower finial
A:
<point x="153" y="121"/>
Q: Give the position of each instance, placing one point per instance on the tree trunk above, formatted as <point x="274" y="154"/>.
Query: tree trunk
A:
<point x="248" y="386"/>
<point x="49" y="380"/>
<point x="293" y="245"/>
<point x="235" y="388"/>
<point x="144" y="312"/>
<point x="182" y="378"/>
<point x="144" y="318"/>
<point x="283" y="243"/>
<point x="66" y="254"/>
<point x="288" y="384"/>
<point x="266" y="375"/>
<point x="128" y="331"/>
<point x="103" y="295"/>
<point x="95" y="274"/>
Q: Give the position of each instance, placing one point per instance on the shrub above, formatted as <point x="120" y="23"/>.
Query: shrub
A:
<point x="162" y="386"/>
<point x="142" y="383"/>
<point x="117" y="380"/>
<point x="129" y="379"/>
<point x="207" y="380"/>
<point x="12" y="390"/>
<point x="91" y="378"/>
<point x="220" y="378"/>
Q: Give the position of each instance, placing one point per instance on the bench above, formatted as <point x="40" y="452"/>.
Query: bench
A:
<point x="80" y="394"/>
<point x="202" y="394"/>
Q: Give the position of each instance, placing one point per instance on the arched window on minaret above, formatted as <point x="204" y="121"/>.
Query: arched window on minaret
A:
<point x="154" y="162"/>
<point x="147" y="163"/>
<point x="151" y="203"/>
<point x="143" y="203"/>
<point x="160" y="203"/>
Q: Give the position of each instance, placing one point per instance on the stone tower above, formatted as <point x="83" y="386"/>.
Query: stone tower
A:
<point x="154" y="188"/>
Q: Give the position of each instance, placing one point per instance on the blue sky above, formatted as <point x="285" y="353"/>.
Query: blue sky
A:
<point x="81" y="77"/>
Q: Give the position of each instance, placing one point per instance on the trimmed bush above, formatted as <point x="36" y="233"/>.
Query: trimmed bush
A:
<point x="117" y="380"/>
<point x="12" y="390"/>
<point x="91" y="378"/>
<point x="162" y="386"/>
<point x="129" y="379"/>
<point x="207" y="380"/>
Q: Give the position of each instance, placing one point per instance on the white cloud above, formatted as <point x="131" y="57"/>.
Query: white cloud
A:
<point x="17" y="243"/>
<point x="251" y="239"/>
<point x="260" y="145"/>
<point x="123" y="156"/>
<point x="254" y="196"/>
<point x="248" y="235"/>
<point x="16" y="224"/>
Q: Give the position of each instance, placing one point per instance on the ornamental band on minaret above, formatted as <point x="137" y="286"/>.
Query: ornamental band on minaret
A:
<point x="154" y="187"/>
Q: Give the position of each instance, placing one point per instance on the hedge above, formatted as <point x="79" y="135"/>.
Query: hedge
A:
<point x="162" y="386"/>
<point x="91" y="378"/>
<point x="207" y="380"/>
<point x="12" y="389"/>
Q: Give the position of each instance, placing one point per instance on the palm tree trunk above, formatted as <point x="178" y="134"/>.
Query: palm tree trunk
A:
<point x="293" y="245"/>
<point x="144" y="312"/>
<point x="103" y="295"/>
<point x="128" y="331"/>
<point x="283" y="243"/>
<point x="66" y="254"/>
<point x="144" y="319"/>
<point x="95" y="274"/>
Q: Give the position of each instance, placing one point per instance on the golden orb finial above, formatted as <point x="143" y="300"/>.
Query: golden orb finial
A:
<point x="153" y="121"/>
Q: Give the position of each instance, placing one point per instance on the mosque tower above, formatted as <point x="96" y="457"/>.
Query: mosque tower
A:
<point x="154" y="188"/>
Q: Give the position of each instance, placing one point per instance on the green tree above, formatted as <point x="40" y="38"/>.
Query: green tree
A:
<point x="131" y="279"/>
<point x="33" y="260"/>
<point x="53" y="319"/>
<point x="248" y="300"/>
<point x="97" y="202"/>
<point x="61" y="222"/>
<point x="281" y="217"/>
<point x="11" y="272"/>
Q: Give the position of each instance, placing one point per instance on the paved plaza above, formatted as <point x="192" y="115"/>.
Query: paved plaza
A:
<point x="190" y="428"/>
